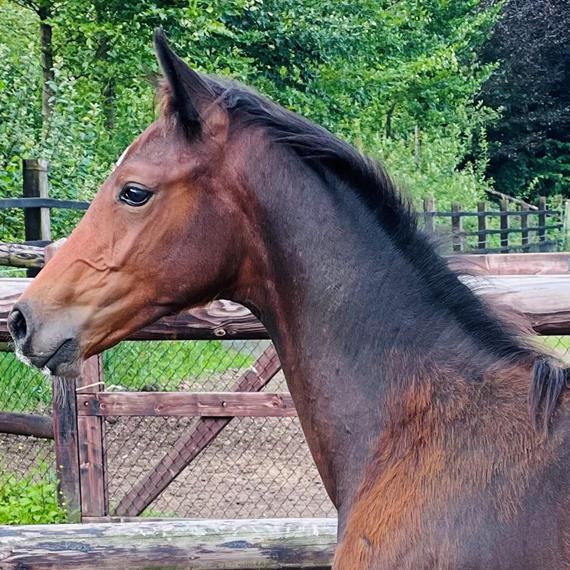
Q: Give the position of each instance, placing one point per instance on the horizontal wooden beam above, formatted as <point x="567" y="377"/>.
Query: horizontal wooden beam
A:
<point x="193" y="441"/>
<point x="26" y="424"/>
<point x="513" y="263"/>
<point x="30" y="255"/>
<point x="6" y="203"/>
<point x="544" y="299"/>
<point x="218" y="320"/>
<point x="206" y="404"/>
<point x="22" y="255"/>
<point x="197" y="544"/>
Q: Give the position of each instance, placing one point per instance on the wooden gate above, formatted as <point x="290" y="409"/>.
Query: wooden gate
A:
<point x="81" y="456"/>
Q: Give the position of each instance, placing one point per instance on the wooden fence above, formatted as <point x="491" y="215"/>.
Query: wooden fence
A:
<point x="535" y="284"/>
<point x="515" y="227"/>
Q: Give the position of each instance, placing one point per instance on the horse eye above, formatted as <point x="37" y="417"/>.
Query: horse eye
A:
<point x="134" y="195"/>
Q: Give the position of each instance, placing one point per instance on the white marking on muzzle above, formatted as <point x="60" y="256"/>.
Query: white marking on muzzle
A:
<point x="20" y="356"/>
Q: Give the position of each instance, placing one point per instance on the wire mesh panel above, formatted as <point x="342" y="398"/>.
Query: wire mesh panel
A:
<point x="190" y="366"/>
<point x="558" y="346"/>
<point x="255" y="467"/>
<point x="28" y="489"/>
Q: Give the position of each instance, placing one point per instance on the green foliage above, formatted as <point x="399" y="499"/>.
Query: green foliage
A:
<point x="530" y="144"/>
<point x="430" y="165"/>
<point x="371" y="71"/>
<point x="24" y="389"/>
<point x="25" y="500"/>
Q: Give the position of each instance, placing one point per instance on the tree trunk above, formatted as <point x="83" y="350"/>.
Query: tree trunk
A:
<point x="46" y="51"/>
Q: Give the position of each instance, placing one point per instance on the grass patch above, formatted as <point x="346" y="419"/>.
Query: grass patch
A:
<point x="26" y="501"/>
<point x="166" y="364"/>
<point x="24" y="389"/>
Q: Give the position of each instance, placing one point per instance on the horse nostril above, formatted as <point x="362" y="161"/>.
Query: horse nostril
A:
<point x="17" y="325"/>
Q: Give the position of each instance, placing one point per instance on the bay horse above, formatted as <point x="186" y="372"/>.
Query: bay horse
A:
<point x="440" y="435"/>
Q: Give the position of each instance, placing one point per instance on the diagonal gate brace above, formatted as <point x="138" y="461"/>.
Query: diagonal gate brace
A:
<point x="193" y="441"/>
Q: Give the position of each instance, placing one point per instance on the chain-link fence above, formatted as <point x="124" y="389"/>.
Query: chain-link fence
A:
<point x="28" y="483"/>
<point x="255" y="467"/>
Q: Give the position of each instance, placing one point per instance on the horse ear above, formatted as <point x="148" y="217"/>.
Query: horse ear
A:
<point x="192" y="97"/>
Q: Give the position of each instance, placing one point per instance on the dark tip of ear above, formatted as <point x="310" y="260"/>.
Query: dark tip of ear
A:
<point x="190" y="93"/>
<point x="159" y="38"/>
<point x="162" y="48"/>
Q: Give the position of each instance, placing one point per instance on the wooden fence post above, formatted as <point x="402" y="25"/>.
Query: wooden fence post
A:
<point x="193" y="441"/>
<point x="524" y="227"/>
<point x="541" y="232"/>
<point x="504" y="207"/>
<point x="566" y="225"/>
<point x="64" y="420"/>
<point x="481" y="225"/>
<point x="457" y="228"/>
<point x="92" y="472"/>
<point x="35" y="185"/>
<point x="429" y="218"/>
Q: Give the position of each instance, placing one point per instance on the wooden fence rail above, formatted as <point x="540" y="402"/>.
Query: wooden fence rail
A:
<point x="544" y="299"/>
<point x="201" y="545"/>
<point x="184" y="404"/>
<point x="527" y="221"/>
<point x="26" y="424"/>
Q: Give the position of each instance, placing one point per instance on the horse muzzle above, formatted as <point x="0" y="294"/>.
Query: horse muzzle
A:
<point x="50" y="345"/>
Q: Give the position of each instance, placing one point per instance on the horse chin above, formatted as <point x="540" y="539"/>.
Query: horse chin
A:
<point x="66" y="361"/>
<point x="68" y="369"/>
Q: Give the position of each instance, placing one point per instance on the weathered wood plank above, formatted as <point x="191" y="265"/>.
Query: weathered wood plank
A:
<point x="541" y="233"/>
<point x="91" y="442"/>
<point x="224" y="319"/>
<point x="21" y="255"/>
<point x="193" y="441"/>
<point x="504" y="223"/>
<point x="186" y="404"/>
<point x="524" y="228"/>
<point x="65" y="438"/>
<point x="27" y="255"/>
<point x="37" y="222"/>
<point x="26" y="424"/>
<point x="218" y="320"/>
<point x="457" y="228"/>
<point x="35" y="186"/>
<point x="482" y="226"/>
<point x="514" y="263"/>
<point x="200" y="545"/>
<point x="543" y="299"/>
<point x="51" y="203"/>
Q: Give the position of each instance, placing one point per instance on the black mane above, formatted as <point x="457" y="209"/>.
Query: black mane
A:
<point x="327" y="154"/>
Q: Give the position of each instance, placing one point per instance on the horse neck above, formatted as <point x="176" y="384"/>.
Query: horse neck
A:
<point x="353" y="324"/>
